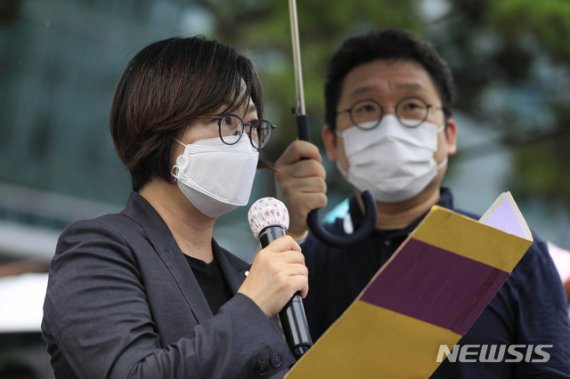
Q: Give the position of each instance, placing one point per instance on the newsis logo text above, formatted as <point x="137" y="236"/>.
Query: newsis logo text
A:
<point x="494" y="353"/>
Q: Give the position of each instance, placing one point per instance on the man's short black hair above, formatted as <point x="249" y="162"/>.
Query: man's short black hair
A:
<point x="385" y="44"/>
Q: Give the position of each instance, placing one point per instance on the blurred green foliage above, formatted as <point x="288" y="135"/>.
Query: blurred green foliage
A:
<point x="510" y="58"/>
<point x="60" y="62"/>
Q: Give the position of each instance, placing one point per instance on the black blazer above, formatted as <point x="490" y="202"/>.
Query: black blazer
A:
<point x="122" y="302"/>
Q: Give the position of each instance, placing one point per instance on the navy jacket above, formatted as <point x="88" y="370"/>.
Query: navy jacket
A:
<point x="530" y="308"/>
<point x="122" y="302"/>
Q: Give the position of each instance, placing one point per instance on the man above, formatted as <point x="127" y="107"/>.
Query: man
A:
<point x="388" y="98"/>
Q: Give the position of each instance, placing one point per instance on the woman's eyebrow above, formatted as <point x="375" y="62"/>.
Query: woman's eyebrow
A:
<point x="252" y="108"/>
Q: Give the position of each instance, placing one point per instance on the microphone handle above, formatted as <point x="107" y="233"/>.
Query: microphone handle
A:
<point x="292" y="316"/>
<point x="270" y="234"/>
<point x="295" y="327"/>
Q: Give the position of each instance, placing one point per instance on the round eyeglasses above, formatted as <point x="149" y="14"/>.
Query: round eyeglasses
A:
<point x="411" y="112"/>
<point x="231" y="128"/>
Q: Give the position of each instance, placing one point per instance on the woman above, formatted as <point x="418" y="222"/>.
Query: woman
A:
<point x="148" y="292"/>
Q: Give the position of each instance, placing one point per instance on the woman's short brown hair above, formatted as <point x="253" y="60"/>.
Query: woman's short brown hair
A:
<point x="167" y="85"/>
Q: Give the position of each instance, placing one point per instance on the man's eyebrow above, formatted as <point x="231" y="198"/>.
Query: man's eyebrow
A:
<point x="410" y="85"/>
<point x="403" y="85"/>
<point x="361" y="90"/>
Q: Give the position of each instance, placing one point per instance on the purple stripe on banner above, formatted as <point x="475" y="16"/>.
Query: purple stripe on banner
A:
<point x="436" y="286"/>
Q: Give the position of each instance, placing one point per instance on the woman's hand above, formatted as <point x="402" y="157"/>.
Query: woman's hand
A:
<point x="277" y="273"/>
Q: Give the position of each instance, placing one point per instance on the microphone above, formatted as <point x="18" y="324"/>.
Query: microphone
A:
<point x="268" y="220"/>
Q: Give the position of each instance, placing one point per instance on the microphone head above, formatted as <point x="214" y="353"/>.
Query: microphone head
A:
<point x="267" y="211"/>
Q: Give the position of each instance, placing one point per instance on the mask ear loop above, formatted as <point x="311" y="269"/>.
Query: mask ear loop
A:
<point x="174" y="172"/>
<point x="442" y="164"/>
<point x="176" y="169"/>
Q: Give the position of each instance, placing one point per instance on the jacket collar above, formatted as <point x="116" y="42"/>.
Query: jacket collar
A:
<point x="233" y="268"/>
<point x="164" y="244"/>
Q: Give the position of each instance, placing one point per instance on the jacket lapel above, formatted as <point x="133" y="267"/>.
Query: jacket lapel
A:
<point x="173" y="259"/>
<point x="232" y="267"/>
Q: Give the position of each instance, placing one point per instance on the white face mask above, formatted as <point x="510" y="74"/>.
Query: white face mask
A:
<point x="391" y="161"/>
<point x="216" y="178"/>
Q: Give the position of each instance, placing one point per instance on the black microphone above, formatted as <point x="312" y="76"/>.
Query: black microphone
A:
<point x="268" y="220"/>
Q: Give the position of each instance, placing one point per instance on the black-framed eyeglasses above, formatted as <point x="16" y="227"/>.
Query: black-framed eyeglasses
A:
<point x="411" y="112"/>
<point x="231" y="128"/>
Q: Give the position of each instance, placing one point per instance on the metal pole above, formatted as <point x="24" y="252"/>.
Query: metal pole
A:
<point x="369" y="221"/>
<point x="300" y="106"/>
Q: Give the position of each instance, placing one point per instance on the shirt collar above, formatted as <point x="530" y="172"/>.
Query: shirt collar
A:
<point x="445" y="200"/>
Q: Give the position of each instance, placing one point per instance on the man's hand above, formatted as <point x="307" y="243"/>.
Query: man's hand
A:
<point x="300" y="183"/>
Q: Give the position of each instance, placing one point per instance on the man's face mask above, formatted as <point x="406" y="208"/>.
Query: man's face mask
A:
<point x="393" y="162"/>
<point x="216" y="178"/>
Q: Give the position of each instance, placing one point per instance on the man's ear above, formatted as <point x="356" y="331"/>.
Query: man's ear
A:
<point x="329" y="140"/>
<point x="451" y="136"/>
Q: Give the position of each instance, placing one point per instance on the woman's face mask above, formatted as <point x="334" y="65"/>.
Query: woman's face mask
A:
<point x="393" y="162"/>
<point x="216" y="178"/>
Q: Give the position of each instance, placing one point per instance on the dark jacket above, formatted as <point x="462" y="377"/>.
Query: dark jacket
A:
<point x="122" y="302"/>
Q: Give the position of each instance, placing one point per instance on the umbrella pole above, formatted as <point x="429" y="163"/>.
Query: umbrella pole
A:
<point x="369" y="221"/>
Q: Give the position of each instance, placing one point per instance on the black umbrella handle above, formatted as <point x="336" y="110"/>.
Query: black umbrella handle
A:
<point x="323" y="235"/>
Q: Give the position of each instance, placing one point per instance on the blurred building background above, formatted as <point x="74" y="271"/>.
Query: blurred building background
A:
<point x="60" y="60"/>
